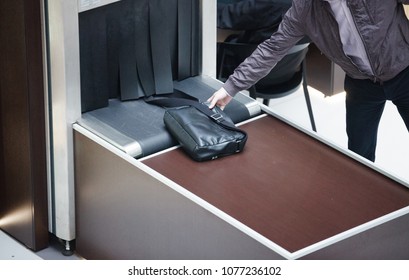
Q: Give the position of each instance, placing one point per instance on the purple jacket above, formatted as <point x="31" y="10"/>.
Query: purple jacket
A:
<point x="382" y="24"/>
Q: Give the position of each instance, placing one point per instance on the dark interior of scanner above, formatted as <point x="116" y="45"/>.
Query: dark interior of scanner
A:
<point x="136" y="48"/>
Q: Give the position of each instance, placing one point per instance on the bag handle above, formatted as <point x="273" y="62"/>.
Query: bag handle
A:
<point x="179" y="99"/>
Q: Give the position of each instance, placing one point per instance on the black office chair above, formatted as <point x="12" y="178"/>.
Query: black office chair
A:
<point x="285" y="78"/>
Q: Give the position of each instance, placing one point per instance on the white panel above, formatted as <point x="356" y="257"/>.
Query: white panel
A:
<point x="209" y="36"/>
<point x="66" y="109"/>
<point x="85" y="5"/>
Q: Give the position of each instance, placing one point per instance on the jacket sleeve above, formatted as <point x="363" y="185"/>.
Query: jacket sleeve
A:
<point x="268" y="53"/>
<point x="251" y="14"/>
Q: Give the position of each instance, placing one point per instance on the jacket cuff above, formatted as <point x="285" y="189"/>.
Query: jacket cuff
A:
<point x="230" y="88"/>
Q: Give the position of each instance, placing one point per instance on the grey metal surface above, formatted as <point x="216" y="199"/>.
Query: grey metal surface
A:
<point x="110" y="134"/>
<point x="388" y="241"/>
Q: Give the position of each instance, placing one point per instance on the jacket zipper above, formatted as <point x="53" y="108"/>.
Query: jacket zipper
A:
<point x="375" y="78"/>
<point x="328" y="7"/>
<point x="367" y="11"/>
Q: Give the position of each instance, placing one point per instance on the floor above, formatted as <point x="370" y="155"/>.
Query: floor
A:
<point x="329" y="114"/>
<point x="10" y="249"/>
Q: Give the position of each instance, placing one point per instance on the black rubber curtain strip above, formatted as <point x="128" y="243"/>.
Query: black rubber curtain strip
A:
<point x="160" y="46"/>
<point x="113" y="43"/>
<point x="143" y="47"/>
<point x="93" y="60"/>
<point x="184" y="39"/>
<point x="172" y="23"/>
<point x="194" y="60"/>
<point x="129" y="82"/>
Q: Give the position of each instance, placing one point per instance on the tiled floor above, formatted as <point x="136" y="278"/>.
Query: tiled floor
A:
<point x="392" y="152"/>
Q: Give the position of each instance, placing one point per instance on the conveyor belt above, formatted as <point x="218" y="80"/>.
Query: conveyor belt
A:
<point x="137" y="128"/>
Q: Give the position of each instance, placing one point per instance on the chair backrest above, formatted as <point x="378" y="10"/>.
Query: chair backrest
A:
<point x="232" y="54"/>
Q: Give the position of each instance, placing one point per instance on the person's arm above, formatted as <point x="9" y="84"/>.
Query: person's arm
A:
<point x="264" y="58"/>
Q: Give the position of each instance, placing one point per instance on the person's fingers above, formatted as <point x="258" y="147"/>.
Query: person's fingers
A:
<point x="215" y="99"/>
<point x="220" y="98"/>
<point x="226" y="100"/>
<point x="212" y="100"/>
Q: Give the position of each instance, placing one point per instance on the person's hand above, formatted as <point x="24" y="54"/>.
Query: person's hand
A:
<point x="220" y="98"/>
